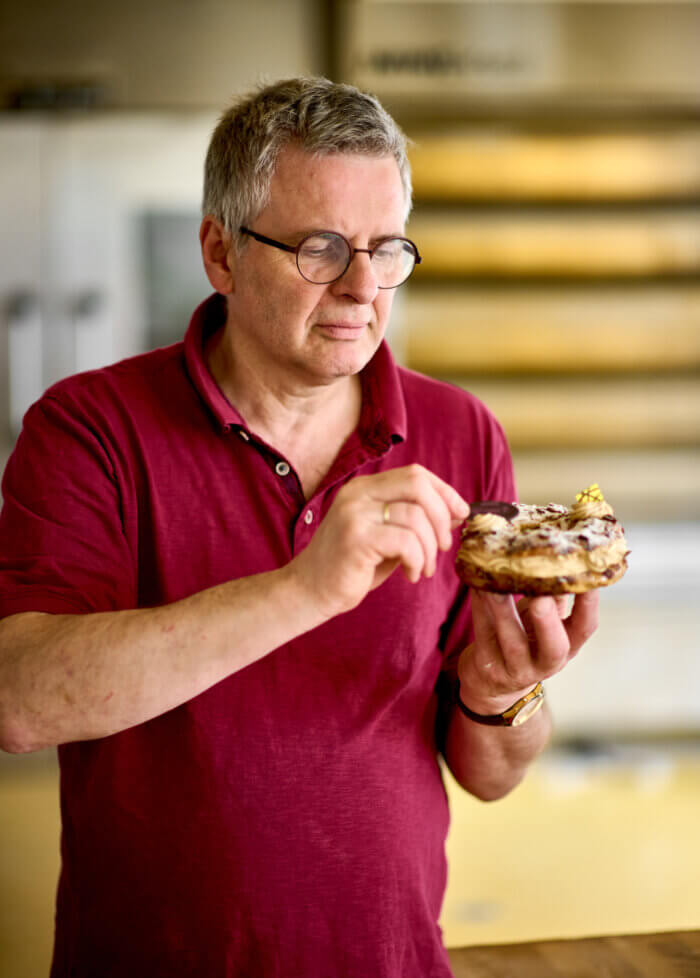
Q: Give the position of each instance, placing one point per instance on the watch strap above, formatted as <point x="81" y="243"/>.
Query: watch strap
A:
<point x="509" y="717"/>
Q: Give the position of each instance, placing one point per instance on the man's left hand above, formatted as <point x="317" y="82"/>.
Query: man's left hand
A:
<point x="517" y="646"/>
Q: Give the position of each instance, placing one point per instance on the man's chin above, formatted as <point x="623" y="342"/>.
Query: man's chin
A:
<point x="347" y="361"/>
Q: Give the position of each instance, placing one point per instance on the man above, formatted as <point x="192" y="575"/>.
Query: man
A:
<point x="228" y="591"/>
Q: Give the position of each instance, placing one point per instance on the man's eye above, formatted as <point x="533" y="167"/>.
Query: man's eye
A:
<point x="388" y="251"/>
<point x="319" y="252"/>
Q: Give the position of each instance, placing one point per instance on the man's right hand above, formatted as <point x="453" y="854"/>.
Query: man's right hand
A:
<point x="376" y="523"/>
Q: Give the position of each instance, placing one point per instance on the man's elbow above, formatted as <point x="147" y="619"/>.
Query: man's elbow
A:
<point x="15" y="735"/>
<point x="19" y="723"/>
<point x="488" y="787"/>
<point x="11" y="744"/>
<point x="495" y="792"/>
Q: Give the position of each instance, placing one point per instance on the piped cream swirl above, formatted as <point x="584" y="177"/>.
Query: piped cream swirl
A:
<point x="587" y="509"/>
<point x="484" y="522"/>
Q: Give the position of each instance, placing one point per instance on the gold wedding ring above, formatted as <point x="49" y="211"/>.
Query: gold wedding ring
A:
<point x="385" y="514"/>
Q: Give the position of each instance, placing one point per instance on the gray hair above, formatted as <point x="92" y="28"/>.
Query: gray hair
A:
<point x="320" y="116"/>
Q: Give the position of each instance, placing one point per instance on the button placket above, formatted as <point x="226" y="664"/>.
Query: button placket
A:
<point x="304" y="527"/>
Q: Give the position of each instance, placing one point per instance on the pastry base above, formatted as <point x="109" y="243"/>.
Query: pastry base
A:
<point x="503" y="583"/>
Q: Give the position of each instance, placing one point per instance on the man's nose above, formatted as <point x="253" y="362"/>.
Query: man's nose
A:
<point x="359" y="279"/>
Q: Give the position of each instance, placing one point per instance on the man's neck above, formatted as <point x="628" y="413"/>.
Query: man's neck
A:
<point x="307" y="423"/>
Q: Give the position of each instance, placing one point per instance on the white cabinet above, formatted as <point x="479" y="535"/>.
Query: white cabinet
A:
<point x="74" y="195"/>
<point x="21" y="316"/>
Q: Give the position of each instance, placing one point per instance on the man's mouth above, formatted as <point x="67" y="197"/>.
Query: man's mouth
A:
<point x="343" y="328"/>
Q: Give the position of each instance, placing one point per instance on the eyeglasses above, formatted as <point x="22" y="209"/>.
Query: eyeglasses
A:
<point x="324" y="257"/>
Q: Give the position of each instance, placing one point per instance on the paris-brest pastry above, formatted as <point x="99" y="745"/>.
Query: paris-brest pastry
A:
<point x="548" y="549"/>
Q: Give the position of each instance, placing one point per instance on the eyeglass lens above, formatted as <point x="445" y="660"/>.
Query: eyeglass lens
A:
<point x="323" y="258"/>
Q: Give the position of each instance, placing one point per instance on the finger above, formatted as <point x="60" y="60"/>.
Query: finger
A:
<point x="511" y="637"/>
<point x="416" y="484"/>
<point x="482" y="620"/>
<point x="562" y="601"/>
<point x="413" y="517"/>
<point x="420" y="488"/>
<point x="583" y="620"/>
<point x="394" y="543"/>
<point x="549" y="637"/>
<point x="410" y="477"/>
<point x="458" y="507"/>
<point x="485" y="658"/>
<point x="441" y="503"/>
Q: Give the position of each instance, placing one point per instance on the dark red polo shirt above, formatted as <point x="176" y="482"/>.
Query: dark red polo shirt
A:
<point x="291" y="820"/>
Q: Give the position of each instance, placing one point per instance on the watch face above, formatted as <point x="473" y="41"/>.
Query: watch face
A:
<point x="528" y="710"/>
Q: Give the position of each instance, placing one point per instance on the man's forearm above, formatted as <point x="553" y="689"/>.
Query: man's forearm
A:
<point x="78" y="677"/>
<point x="490" y="761"/>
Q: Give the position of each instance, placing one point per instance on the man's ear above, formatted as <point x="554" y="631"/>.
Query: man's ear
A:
<point x="215" y="242"/>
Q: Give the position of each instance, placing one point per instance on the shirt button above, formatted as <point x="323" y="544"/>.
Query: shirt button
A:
<point x="308" y="517"/>
<point x="282" y="468"/>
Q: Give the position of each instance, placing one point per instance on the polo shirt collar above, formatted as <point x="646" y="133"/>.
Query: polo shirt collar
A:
<point x="207" y="318"/>
<point x="383" y="416"/>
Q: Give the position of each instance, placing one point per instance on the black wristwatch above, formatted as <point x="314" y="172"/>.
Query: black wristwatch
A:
<point x="516" y="714"/>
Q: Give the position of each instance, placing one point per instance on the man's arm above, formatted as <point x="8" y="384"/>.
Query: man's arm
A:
<point x="77" y="677"/>
<point x="514" y="649"/>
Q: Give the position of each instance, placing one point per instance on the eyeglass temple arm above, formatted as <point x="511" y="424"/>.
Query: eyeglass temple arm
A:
<point x="268" y="241"/>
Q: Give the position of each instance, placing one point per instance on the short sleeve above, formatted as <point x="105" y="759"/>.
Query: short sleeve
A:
<point x="63" y="548"/>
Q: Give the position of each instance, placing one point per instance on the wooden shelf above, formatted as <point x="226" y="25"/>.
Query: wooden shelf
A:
<point x="443" y="329"/>
<point x="486" y="165"/>
<point x="561" y="244"/>
<point x="591" y="412"/>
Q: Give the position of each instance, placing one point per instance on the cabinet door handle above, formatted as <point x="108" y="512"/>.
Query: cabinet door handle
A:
<point x="88" y="310"/>
<point x="24" y="355"/>
<point x="86" y="305"/>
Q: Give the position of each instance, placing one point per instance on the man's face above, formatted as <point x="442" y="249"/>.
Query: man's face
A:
<point x="316" y="333"/>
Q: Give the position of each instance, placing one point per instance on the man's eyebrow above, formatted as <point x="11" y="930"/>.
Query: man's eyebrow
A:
<point x="297" y="236"/>
<point x="315" y="229"/>
<point x="304" y="232"/>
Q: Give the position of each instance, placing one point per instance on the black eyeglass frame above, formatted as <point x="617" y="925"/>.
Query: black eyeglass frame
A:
<point x="295" y="249"/>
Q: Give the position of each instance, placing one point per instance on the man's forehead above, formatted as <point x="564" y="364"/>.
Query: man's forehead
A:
<point x="307" y="186"/>
<point x="294" y="158"/>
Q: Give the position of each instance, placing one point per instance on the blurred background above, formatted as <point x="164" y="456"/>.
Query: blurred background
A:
<point x="556" y="161"/>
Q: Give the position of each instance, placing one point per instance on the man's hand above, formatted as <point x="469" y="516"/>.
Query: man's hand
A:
<point x="376" y="523"/>
<point x="516" y="647"/>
